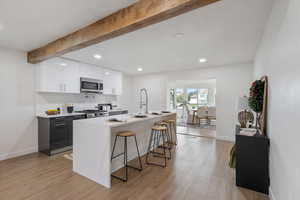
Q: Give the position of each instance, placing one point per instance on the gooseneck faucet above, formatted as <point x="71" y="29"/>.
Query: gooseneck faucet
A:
<point x="144" y="91"/>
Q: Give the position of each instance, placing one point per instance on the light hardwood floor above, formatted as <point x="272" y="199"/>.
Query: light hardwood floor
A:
<point x="209" y="132"/>
<point x="198" y="171"/>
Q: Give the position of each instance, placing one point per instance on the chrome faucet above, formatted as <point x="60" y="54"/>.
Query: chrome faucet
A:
<point x="144" y="90"/>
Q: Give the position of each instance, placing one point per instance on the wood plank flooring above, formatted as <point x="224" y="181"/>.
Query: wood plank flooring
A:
<point x="198" y="171"/>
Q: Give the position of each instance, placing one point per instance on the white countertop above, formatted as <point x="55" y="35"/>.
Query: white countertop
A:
<point x="129" y="119"/>
<point x="44" y="115"/>
<point x="95" y="136"/>
<point x="118" y="110"/>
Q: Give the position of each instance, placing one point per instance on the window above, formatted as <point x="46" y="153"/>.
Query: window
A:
<point x="194" y="97"/>
<point x="203" y="97"/>
<point x="192" y="94"/>
<point x="180" y="97"/>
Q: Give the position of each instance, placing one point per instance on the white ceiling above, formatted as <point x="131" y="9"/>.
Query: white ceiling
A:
<point x="226" y="32"/>
<point x="29" y="24"/>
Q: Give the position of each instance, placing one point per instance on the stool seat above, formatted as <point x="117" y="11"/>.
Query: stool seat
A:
<point x="170" y="121"/>
<point x="159" y="128"/>
<point x="163" y="124"/>
<point x="126" y="134"/>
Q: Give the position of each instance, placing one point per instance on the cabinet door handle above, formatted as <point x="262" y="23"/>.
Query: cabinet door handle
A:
<point x="60" y="125"/>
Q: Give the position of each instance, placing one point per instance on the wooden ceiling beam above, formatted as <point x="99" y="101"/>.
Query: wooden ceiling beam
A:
<point x="141" y="14"/>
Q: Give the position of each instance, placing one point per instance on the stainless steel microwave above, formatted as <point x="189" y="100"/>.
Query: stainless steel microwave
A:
<point x="89" y="85"/>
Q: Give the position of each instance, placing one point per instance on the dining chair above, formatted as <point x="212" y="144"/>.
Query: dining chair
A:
<point x="211" y="114"/>
<point x="189" y="115"/>
<point x="202" y="114"/>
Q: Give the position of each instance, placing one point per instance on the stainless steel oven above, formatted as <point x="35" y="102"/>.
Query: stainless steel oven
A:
<point x="89" y="85"/>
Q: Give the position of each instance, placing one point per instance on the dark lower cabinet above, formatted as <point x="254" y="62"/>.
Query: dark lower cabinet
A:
<point x="55" y="135"/>
<point x="61" y="130"/>
<point x="252" y="163"/>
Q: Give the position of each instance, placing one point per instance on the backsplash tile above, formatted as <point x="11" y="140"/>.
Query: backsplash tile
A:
<point x="45" y="101"/>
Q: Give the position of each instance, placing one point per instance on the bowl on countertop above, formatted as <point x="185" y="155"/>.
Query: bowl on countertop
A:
<point x="140" y="115"/>
<point x="166" y="111"/>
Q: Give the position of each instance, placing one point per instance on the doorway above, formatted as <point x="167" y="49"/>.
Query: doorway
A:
<point x="195" y="105"/>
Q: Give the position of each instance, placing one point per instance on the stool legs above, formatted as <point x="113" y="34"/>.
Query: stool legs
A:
<point x="125" y="153"/>
<point x="138" y="152"/>
<point x="175" y="132"/>
<point x="154" y="143"/>
<point x="113" y="150"/>
<point x="125" y="159"/>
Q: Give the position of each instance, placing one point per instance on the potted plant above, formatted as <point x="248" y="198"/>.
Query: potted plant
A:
<point x="256" y="100"/>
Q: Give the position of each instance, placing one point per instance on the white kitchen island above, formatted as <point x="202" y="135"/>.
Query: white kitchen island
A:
<point x="93" y="139"/>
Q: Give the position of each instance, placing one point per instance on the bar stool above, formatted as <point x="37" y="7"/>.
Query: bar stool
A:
<point x="169" y="143"/>
<point x="157" y="133"/>
<point x="125" y="135"/>
<point x="172" y="129"/>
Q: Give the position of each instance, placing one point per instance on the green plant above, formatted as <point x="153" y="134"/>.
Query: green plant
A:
<point x="256" y="98"/>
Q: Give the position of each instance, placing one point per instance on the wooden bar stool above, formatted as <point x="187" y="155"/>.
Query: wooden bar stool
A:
<point x="125" y="135"/>
<point x="172" y="129"/>
<point x="168" y="137"/>
<point x="158" y="133"/>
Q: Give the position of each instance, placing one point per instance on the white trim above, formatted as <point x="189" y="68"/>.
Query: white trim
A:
<point x="272" y="197"/>
<point x="224" y="138"/>
<point x="5" y="156"/>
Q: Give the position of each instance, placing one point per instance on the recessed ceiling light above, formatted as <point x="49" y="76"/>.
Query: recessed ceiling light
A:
<point x="97" y="56"/>
<point x="179" y="35"/>
<point x="63" y="64"/>
<point x="107" y="73"/>
<point x="202" y="60"/>
<point x="140" y="69"/>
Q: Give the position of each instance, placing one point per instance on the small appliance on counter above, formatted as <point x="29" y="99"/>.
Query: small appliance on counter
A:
<point x="52" y="112"/>
<point x="105" y="107"/>
<point x="93" y="113"/>
<point x="70" y="108"/>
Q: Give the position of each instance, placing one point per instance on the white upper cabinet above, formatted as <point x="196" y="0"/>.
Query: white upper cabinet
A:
<point x="90" y="71"/>
<point x="63" y="76"/>
<point x="112" y="83"/>
<point x="58" y="76"/>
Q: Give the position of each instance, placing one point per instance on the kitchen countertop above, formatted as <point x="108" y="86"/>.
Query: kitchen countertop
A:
<point x="118" y="110"/>
<point x="129" y="119"/>
<point x="93" y="139"/>
<point x="44" y="115"/>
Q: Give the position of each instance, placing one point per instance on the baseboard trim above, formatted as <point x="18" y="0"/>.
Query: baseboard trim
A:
<point x="5" y="156"/>
<point x="272" y="197"/>
<point x="225" y="138"/>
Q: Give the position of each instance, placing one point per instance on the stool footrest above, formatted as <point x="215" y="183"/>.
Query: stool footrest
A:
<point x="119" y="178"/>
<point x="136" y="168"/>
<point x="151" y="163"/>
<point x="161" y="156"/>
<point x="120" y="154"/>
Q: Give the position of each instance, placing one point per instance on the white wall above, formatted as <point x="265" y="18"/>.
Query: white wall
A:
<point x="19" y="103"/>
<point x="232" y="81"/>
<point x="278" y="57"/>
<point x="18" y="132"/>
<point x="125" y="100"/>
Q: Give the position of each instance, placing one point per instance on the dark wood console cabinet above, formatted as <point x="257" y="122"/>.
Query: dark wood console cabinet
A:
<point x="252" y="163"/>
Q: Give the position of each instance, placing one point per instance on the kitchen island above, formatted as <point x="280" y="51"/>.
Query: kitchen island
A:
<point x="93" y="139"/>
